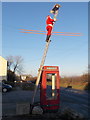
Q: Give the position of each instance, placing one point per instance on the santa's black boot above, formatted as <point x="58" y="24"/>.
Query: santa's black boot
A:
<point x="47" y="38"/>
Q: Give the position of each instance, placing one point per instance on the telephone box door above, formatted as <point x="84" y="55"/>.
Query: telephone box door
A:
<point x="50" y="88"/>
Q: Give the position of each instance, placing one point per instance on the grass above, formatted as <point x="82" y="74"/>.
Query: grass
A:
<point x="79" y="86"/>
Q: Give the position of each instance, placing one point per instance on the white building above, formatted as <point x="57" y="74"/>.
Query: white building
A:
<point x="3" y="69"/>
<point x="24" y="77"/>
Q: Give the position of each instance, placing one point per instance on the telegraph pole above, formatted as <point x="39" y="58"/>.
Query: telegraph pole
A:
<point x="55" y="10"/>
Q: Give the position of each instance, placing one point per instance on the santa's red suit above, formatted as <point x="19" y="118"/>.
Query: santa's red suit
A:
<point x="49" y="23"/>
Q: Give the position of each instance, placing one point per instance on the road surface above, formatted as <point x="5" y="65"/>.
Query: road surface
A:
<point x="69" y="98"/>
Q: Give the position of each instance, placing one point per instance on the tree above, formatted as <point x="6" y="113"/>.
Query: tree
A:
<point x="11" y="77"/>
<point x="9" y="62"/>
<point x="15" y="64"/>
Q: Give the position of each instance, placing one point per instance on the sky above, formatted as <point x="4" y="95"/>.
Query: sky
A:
<point x="70" y="53"/>
<point x="45" y="0"/>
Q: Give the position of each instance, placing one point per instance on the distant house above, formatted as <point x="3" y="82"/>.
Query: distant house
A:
<point x="3" y="68"/>
<point x="25" y="77"/>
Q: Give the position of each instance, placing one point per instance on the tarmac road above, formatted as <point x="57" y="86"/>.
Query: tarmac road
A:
<point x="76" y="100"/>
<point x="69" y="98"/>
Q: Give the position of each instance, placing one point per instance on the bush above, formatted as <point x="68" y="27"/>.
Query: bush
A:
<point x="28" y="86"/>
<point x="87" y="87"/>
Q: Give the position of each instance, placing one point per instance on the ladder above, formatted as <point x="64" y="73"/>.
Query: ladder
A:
<point x="42" y="64"/>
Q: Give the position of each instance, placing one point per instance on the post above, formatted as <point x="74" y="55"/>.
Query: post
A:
<point x="40" y="70"/>
<point x="42" y="64"/>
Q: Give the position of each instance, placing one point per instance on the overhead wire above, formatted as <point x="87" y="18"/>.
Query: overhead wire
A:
<point x="52" y="32"/>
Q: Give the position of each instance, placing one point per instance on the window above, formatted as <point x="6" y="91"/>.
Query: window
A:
<point x="51" y="86"/>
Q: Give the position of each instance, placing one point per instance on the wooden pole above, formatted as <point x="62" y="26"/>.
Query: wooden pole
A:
<point x="41" y="65"/>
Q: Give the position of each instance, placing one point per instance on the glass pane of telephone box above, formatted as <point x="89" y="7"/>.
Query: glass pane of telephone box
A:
<point x="51" y="86"/>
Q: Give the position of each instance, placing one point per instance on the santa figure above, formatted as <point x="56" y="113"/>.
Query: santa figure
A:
<point x="49" y="27"/>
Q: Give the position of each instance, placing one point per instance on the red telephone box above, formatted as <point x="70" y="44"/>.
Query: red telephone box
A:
<point x="50" y="88"/>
